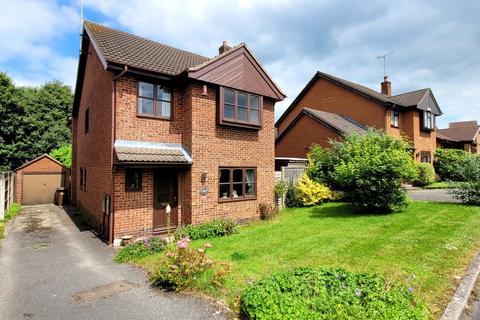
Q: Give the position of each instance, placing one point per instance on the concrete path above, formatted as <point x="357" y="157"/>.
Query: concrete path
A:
<point x="435" y="195"/>
<point x="51" y="268"/>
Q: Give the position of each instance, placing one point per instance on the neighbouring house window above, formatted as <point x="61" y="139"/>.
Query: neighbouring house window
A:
<point x="84" y="179"/>
<point x="133" y="179"/>
<point x="425" y="156"/>
<point x="154" y="100"/>
<point x="236" y="183"/>
<point x="394" y="118"/>
<point x="428" y="120"/>
<point x="87" y="120"/>
<point x="240" y="107"/>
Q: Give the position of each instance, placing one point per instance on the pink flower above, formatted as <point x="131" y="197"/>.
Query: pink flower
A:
<point x="183" y="243"/>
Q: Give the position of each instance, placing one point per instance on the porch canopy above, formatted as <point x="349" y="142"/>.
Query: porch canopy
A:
<point x="131" y="152"/>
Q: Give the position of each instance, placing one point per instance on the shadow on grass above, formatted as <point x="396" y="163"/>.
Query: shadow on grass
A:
<point x="341" y="211"/>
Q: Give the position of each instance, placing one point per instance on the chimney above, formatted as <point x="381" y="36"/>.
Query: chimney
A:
<point x="386" y="86"/>
<point x="224" y="47"/>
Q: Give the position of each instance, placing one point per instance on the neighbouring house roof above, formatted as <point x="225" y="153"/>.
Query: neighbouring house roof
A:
<point x="461" y="124"/>
<point x="340" y="123"/>
<point x="460" y="134"/>
<point x="122" y="48"/>
<point x="39" y="158"/>
<point x="141" y="152"/>
<point x="441" y="136"/>
<point x="422" y="99"/>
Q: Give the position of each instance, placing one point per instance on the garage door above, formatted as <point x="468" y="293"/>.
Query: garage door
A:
<point x="40" y="188"/>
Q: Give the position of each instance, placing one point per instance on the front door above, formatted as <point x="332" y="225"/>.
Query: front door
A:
<point x="165" y="192"/>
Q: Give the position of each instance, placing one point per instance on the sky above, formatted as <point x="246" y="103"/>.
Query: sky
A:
<point x="436" y="44"/>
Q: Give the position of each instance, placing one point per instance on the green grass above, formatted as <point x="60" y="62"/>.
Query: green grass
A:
<point x="441" y="185"/>
<point x="428" y="243"/>
<point x="10" y="214"/>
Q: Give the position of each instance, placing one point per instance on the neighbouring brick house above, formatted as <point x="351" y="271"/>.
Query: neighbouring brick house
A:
<point x="155" y="127"/>
<point x="460" y="135"/>
<point x="330" y="107"/>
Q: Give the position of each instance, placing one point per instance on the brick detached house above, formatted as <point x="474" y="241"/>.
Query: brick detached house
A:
<point x="463" y="135"/>
<point x="155" y="127"/>
<point x="330" y="107"/>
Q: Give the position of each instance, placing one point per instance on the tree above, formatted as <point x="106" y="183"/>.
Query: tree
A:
<point x="63" y="154"/>
<point x="34" y="120"/>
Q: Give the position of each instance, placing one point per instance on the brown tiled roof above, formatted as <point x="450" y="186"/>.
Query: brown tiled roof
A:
<point x="342" y="123"/>
<point x="126" y="49"/>
<point x="461" y="133"/>
<point x="358" y="87"/>
<point x="150" y="152"/>
<point x="410" y="99"/>
<point x="461" y="124"/>
<point x="441" y="136"/>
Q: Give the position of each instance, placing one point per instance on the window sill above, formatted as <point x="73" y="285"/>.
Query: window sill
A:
<point x="394" y="126"/>
<point x="240" y="124"/>
<point x="133" y="190"/>
<point x="143" y="115"/>
<point x="220" y="200"/>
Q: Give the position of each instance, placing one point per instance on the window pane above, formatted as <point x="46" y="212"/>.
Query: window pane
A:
<point x="242" y="114"/>
<point x="237" y="190"/>
<point x="250" y="189"/>
<point x="163" y="93"/>
<point x="145" y="105"/>
<point x="254" y="116"/>
<point x="254" y="102"/>
<point x="242" y="99"/>
<point x="145" y="90"/>
<point x="229" y="111"/>
<point x="229" y="96"/>
<point x="237" y="175"/>
<point x="163" y="109"/>
<point x="224" y="176"/>
<point x="224" y="191"/>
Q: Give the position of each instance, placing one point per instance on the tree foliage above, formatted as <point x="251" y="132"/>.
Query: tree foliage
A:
<point x="457" y="165"/>
<point x="34" y="120"/>
<point x="63" y="154"/>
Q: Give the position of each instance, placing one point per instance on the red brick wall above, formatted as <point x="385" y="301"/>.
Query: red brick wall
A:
<point x="214" y="146"/>
<point x="330" y="97"/>
<point x="306" y="132"/>
<point x="92" y="150"/>
<point x="42" y="165"/>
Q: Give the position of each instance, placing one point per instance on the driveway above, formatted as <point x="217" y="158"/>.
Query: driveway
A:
<point x="52" y="268"/>
<point x="435" y="195"/>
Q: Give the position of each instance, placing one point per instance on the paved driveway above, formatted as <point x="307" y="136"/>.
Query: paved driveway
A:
<point x="51" y="268"/>
<point x="435" y="195"/>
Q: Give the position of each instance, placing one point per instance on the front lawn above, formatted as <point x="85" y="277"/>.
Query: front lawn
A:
<point x="425" y="246"/>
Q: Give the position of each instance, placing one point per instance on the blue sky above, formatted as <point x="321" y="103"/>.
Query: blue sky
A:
<point x="436" y="43"/>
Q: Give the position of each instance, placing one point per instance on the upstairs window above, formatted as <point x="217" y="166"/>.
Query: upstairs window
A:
<point x="236" y="183"/>
<point x="241" y="108"/>
<point x="428" y="120"/>
<point x="154" y="100"/>
<point x="394" y="118"/>
<point x="87" y="120"/>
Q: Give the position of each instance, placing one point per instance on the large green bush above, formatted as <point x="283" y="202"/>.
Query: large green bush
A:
<point x="321" y="164"/>
<point x="308" y="293"/>
<point x="215" y="228"/>
<point x="370" y="169"/>
<point x="457" y="165"/>
<point x="425" y="174"/>
<point x="468" y="192"/>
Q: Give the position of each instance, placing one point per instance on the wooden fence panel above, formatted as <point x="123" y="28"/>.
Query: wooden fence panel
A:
<point x="7" y="192"/>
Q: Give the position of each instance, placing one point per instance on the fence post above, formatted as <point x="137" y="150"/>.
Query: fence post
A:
<point x="2" y="196"/>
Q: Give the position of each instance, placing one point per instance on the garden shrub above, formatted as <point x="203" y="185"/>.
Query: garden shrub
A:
<point x="370" y="170"/>
<point x="280" y="188"/>
<point x="425" y="174"/>
<point x="182" y="266"/>
<point x="140" y="249"/>
<point x="291" y="197"/>
<point x="215" y="228"/>
<point x="321" y="164"/>
<point x="467" y="192"/>
<point x="311" y="193"/>
<point x="267" y="211"/>
<point x="457" y="165"/>
<point x="310" y="293"/>
<point x="63" y="154"/>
